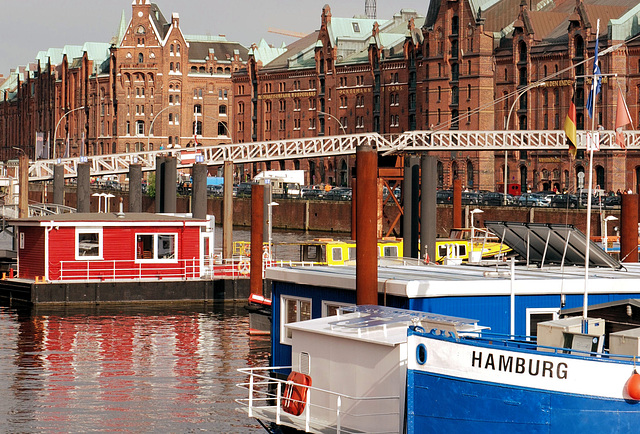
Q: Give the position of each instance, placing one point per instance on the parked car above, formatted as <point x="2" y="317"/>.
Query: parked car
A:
<point x="215" y="190"/>
<point x="533" y="200"/>
<point x="471" y="198"/>
<point x="338" y="193"/>
<point x="244" y="189"/>
<point x="444" y="196"/>
<point x="613" y="201"/>
<point x="564" y="201"/>
<point x="311" y="193"/>
<point x="496" y="199"/>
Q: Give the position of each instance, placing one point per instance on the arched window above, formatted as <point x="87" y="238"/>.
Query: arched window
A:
<point x="197" y="128"/>
<point x="222" y="109"/>
<point x="469" y="175"/>
<point x="222" y="128"/>
<point x="140" y="58"/>
<point x="440" y="170"/>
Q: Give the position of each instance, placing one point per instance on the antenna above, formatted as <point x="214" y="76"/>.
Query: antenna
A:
<point x="370" y="9"/>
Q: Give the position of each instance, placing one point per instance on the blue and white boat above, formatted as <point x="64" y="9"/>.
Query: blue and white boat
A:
<point x="382" y="370"/>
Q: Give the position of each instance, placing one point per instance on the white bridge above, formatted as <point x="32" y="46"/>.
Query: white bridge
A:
<point x="313" y="147"/>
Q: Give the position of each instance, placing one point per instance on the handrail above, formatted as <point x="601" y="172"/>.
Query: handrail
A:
<point x="260" y="402"/>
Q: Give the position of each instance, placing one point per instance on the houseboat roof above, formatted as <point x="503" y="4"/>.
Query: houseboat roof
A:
<point x="379" y="324"/>
<point x="423" y="281"/>
<point x="108" y="219"/>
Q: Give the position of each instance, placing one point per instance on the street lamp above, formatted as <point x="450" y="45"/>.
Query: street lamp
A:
<point x="506" y="153"/>
<point x="152" y="122"/>
<point x="55" y="131"/>
<point x="604" y="239"/>
<point x="344" y="131"/>
<point x="99" y="196"/>
<point x="270" y="206"/>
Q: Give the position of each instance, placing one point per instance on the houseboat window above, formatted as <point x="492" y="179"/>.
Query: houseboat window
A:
<point x="336" y="253"/>
<point x="293" y="310"/>
<point x="156" y="247"/>
<point x="88" y="243"/>
<point x="330" y="308"/>
<point x="352" y="253"/>
<point x="442" y="251"/>
<point x="390" y="251"/>
<point x="538" y="315"/>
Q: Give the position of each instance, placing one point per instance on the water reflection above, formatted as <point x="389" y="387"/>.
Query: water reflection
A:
<point x="125" y="368"/>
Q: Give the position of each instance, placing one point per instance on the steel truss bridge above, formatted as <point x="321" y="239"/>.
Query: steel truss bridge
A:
<point x="312" y="147"/>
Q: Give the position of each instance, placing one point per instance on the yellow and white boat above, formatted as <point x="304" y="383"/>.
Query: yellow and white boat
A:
<point x="469" y="245"/>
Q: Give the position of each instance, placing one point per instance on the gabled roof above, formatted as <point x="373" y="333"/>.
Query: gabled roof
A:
<point x="544" y="23"/>
<point x="221" y="49"/>
<point x="265" y="53"/>
<point x="159" y="21"/>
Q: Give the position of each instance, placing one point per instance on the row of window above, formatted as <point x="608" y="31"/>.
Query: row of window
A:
<point x="149" y="247"/>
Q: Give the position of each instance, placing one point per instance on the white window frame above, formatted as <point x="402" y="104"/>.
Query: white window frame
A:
<point x="155" y="259"/>
<point x="284" y="339"/>
<point x="88" y="230"/>
<point x="539" y="310"/>
<point x="329" y="303"/>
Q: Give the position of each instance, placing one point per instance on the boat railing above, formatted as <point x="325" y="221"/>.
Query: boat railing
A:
<point x="529" y="343"/>
<point x="323" y="409"/>
<point x="185" y="269"/>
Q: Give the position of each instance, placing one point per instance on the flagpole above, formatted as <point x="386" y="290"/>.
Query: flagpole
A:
<point x="594" y="86"/>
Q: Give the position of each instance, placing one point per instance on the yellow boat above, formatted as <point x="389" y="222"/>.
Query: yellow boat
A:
<point x="327" y="251"/>
<point x="481" y="243"/>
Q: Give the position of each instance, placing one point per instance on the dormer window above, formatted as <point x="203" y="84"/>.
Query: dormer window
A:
<point x="356" y="27"/>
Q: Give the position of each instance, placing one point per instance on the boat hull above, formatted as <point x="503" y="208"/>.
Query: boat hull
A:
<point x="482" y="389"/>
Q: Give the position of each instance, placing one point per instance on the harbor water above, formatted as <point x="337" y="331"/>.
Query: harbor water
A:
<point x="128" y="369"/>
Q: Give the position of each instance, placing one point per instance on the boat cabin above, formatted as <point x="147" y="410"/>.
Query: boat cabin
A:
<point x="107" y="246"/>
<point x="327" y="251"/>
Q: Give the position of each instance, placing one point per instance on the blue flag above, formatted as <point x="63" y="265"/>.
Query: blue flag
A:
<point x="597" y="81"/>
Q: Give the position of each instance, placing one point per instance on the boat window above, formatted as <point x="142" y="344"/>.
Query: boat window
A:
<point x="463" y="250"/>
<point x="293" y="310"/>
<point x="88" y="244"/>
<point x="538" y="315"/>
<point x="390" y="251"/>
<point x="156" y="247"/>
<point x="442" y="251"/>
<point x="352" y="253"/>
<point x="312" y="253"/>
<point x="336" y="253"/>
<point x="330" y="308"/>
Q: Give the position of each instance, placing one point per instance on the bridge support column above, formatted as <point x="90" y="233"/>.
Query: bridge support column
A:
<point x="199" y="191"/>
<point x="257" y="237"/>
<point x="457" y="203"/>
<point x="170" y="179"/>
<point x="367" y="251"/>
<point x="428" y="207"/>
<point x="135" y="188"/>
<point x="410" y="205"/>
<point x="160" y="161"/>
<point x="23" y="184"/>
<point x="227" y="211"/>
<point x="84" y="187"/>
<point x="629" y="228"/>
<point x="58" y="184"/>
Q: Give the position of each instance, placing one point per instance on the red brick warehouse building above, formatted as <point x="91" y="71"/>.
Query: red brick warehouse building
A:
<point x="448" y="70"/>
<point x="150" y="72"/>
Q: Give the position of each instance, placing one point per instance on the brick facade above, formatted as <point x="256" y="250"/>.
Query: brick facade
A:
<point x="149" y="73"/>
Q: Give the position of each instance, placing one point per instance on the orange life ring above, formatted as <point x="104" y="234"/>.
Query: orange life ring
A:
<point x="295" y="393"/>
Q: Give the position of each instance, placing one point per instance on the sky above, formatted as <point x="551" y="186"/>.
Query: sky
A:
<point x="30" y="26"/>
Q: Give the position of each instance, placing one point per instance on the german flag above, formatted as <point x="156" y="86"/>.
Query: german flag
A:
<point x="570" y="129"/>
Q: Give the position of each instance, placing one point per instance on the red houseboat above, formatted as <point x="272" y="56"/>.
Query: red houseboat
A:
<point x="113" y="247"/>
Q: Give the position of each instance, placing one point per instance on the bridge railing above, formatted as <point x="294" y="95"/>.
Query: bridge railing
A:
<point x="312" y="147"/>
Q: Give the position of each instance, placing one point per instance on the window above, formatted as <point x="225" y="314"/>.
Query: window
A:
<point x="538" y="315"/>
<point x="197" y="108"/>
<point x="293" y="310"/>
<point x="140" y="58"/>
<point x="156" y="247"/>
<point x="88" y="243"/>
<point x="330" y="308"/>
<point x="140" y="128"/>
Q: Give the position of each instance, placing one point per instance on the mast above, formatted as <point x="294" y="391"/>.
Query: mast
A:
<point x="594" y="86"/>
